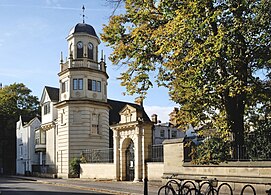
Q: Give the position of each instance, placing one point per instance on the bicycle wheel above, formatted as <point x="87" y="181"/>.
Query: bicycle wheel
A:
<point x="224" y="187"/>
<point x="189" y="184"/>
<point x="183" y="190"/>
<point x="212" y="191"/>
<point x="192" y="191"/>
<point x="205" y="188"/>
<point x="166" y="190"/>
<point x="174" y="184"/>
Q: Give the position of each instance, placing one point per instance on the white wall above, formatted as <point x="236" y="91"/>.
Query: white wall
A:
<point x="26" y="156"/>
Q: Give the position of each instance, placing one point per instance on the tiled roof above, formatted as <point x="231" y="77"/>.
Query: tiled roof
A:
<point x="53" y="93"/>
<point x="117" y="106"/>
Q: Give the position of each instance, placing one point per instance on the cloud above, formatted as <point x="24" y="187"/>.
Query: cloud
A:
<point x="161" y="111"/>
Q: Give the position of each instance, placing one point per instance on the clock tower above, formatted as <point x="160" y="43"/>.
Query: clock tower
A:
<point x="83" y="111"/>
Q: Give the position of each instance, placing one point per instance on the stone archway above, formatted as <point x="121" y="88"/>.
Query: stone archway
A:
<point x="134" y="134"/>
<point x="127" y="140"/>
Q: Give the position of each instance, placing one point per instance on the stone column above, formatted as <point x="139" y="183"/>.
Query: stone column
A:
<point x="138" y="155"/>
<point x="117" y="154"/>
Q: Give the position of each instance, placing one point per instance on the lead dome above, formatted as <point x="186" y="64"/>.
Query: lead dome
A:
<point x="83" y="28"/>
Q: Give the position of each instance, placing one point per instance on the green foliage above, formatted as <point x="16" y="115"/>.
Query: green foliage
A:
<point x="207" y="53"/>
<point x="212" y="151"/>
<point x="16" y="100"/>
<point x="258" y="135"/>
<point x="75" y="167"/>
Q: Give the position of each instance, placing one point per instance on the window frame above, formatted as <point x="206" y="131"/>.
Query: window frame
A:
<point x="90" y="51"/>
<point x="46" y="108"/>
<point x="79" y="51"/>
<point x="78" y="84"/>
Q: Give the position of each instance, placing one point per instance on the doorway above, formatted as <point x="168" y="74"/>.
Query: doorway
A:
<point x="130" y="162"/>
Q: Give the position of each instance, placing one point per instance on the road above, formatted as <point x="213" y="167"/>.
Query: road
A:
<point x="13" y="186"/>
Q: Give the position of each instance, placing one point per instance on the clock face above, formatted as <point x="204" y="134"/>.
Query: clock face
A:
<point x="90" y="46"/>
<point x="80" y="45"/>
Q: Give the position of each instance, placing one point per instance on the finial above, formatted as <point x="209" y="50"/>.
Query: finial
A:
<point x="83" y="8"/>
<point x="61" y="58"/>
<point x="102" y="55"/>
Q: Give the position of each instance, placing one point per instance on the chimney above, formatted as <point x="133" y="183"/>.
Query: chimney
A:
<point x="139" y="101"/>
<point x="154" y="118"/>
<point x="172" y="116"/>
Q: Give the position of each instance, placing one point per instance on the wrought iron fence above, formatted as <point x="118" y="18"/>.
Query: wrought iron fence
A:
<point x="156" y="153"/>
<point x="238" y="153"/>
<point x="99" y="155"/>
<point x="244" y="153"/>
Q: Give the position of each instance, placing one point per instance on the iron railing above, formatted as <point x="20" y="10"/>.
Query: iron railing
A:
<point x="99" y="155"/>
<point x="238" y="153"/>
<point x="156" y="153"/>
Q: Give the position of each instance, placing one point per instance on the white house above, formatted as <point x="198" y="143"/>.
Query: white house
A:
<point x="25" y="133"/>
<point x="163" y="131"/>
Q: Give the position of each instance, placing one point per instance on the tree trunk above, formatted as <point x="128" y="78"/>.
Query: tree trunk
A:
<point x="235" y="107"/>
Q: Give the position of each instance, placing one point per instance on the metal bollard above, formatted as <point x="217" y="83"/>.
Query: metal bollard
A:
<point x="145" y="186"/>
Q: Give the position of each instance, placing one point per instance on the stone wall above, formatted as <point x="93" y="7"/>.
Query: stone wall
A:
<point x="98" y="170"/>
<point x="236" y="173"/>
<point x="155" y="171"/>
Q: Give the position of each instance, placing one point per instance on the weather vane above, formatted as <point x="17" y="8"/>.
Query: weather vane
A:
<point x="83" y="8"/>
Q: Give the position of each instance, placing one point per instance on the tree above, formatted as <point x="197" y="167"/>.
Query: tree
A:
<point x="212" y="55"/>
<point x="15" y="100"/>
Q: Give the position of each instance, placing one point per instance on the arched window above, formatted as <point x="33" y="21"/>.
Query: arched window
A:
<point x="79" y="49"/>
<point x="90" y="51"/>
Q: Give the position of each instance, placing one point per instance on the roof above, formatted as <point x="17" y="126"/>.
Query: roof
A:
<point x="83" y="28"/>
<point x="117" y="106"/>
<point x="53" y="93"/>
<point x="26" y="119"/>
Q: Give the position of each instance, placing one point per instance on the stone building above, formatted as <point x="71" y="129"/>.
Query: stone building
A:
<point x="77" y="116"/>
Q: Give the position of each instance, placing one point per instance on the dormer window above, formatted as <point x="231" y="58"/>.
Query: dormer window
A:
<point x="46" y="108"/>
<point x="79" y="49"/>
<point x="90" y="51"/>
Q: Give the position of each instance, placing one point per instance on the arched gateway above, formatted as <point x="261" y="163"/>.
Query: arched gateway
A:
<point x="132" y="138"/>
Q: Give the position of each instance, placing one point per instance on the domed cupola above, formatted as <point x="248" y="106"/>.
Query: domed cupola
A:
<point x="83" y="28"/>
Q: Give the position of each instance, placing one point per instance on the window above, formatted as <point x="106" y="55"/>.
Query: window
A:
<point x="95" y="124"/>
<point x="64" y="87"/>
<point x="94" y="85"/>
<point x="61" y="119"/>
<point x="37" y="137"/>
<point x="98" y="86"/>
<point x="46" y="108"/>
<point x="173" y="134"/>
<point x="77" y="84"/>
<point x="79" y="49"/>
<point x="21" y="150"/>
<point x="162" y="133"/>
<point x="90" y="51"/>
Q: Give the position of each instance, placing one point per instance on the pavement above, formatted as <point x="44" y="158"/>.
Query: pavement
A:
<point x="105" y="186"/>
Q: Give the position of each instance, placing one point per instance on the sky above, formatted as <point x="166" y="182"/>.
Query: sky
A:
<point x="33" y="35"/>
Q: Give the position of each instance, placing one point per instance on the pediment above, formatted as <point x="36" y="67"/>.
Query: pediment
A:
<point x="127" y="110"/>
<point x="44" y="96"/>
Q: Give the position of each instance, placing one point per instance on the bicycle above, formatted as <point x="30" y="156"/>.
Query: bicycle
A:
<point x="205" y="188"/>
<point x="177" y="185"/>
